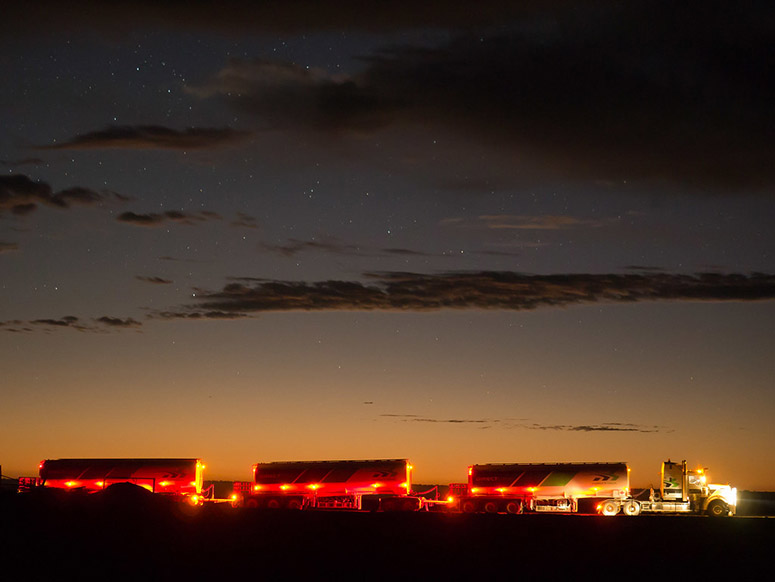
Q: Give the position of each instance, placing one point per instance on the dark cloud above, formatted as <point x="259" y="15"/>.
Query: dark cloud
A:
<point x="245" y="221"/>
<point x="21" y="195"/>
<point x="482" y="290"/>
<point x="160" y="219"/>
<point x="23" y="162"/>
<point x="528" y="222"/>
<point x="416" y="418"/>
<point x="70" y="322"/>
<point x="8" y="247"/>
<point x="150" y="137"/>
<point x="643" y="90"/>
<point x="118" y="322"/>
<point x="291" y="95"/>
<point x="293" y="247"/>
<point x="154" y="280"/>
<point x="511" y="423"/>
<point x="604" y="427"/>
<point x="169" y="315"/>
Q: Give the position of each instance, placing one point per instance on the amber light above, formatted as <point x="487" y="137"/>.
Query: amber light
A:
<point x="314" y="486"/>
<point x="256" y="487"/>
<point x="70" y="484"/>
<point x="285" y="487"/>
<point x="99" y="483"/>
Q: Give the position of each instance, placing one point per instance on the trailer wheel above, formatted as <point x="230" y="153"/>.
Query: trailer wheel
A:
<point x="609" y="508"/>
<point x="469" y="506"/>
<point x="491" y="507"/>
<point x="631" y="508"/>
<point x="294" y="504"/>
<point x="717" y="508"/>
<point x="273" y="504"/>
<point x="514" y="507"/>
<point x="252" y="503"/>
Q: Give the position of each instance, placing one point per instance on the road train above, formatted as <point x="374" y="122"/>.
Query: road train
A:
<point x="386" y="485"/>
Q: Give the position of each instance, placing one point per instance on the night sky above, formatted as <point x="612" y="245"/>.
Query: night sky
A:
<point x="492" y="232"/>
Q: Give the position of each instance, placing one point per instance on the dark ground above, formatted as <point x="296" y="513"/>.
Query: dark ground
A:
<point x="120" y="534"/>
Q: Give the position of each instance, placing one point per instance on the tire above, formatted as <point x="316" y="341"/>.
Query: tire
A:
<point x="273" y="504"/>
<point x="491" y="507"/>
<point x="294" y="504"/>
<point x="252" y="503"/>
<point x="514" y="507"/>
<point x="609" y="508"/>
<point x="631" y="508"/>
<point x="717" y="508"/>
<point x="469" y="507"/>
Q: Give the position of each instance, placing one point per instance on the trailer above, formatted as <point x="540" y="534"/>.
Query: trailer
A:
<point x="682" y="491"/>
<point x="181" y="478"/>
<point x="375" y="485"/>
<point x="587" y="488"/>
<point x="540" y="487"/>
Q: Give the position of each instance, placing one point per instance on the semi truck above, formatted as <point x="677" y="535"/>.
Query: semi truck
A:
<point x="180" y="478"/>
<point x="376" y="485"/>
<point x="682" y="490"/>
<point x="587" y="488"/>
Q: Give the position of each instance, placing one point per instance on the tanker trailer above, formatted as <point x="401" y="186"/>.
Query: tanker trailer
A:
<point x="174" y="477"/>
<point x="540" y="487"/>
<point x="383" y="484"/>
